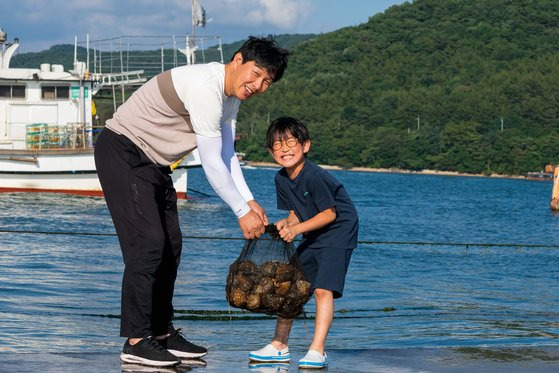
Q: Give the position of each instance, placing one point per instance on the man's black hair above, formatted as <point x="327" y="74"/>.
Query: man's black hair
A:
<point x="283" y="127"/>
<point x="266" y="54"/>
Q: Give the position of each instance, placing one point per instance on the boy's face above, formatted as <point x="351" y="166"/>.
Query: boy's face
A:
<point x="247" y="79"/>
<point x="290" y="154"/>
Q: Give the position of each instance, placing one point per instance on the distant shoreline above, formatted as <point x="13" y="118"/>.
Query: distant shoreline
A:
<point x="402" y="171"/>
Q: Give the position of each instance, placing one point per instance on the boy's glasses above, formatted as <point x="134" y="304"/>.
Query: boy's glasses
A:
<point x="290" y="142"/>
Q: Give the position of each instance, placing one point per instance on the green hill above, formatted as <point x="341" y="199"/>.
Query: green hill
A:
<point x="424" y="86"/>
<point x="457" y="85"/>
<point x="288" y="41"/>
<point x="62" y="54"/>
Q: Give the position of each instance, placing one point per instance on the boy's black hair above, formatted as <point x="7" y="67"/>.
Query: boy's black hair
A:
<point x="283" y="127"/>
<point x="266" y="54"/>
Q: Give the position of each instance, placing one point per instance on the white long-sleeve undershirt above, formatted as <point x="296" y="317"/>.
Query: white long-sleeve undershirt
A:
<point x="230" y="159"/>
<point x="223" y="171"/>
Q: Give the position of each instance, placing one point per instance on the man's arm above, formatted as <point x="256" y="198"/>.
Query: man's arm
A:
<point x="232" y="162"/>
<point x="221" y="180"/>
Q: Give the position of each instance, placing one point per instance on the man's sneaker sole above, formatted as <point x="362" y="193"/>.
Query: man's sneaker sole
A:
<point x="189" y="355"/>
<point x="140" y="368"/>
<point x="128" y="358"/>
<point x="269" y="359"/>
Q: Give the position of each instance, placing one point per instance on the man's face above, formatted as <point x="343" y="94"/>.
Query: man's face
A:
<point x="249" y="80"/>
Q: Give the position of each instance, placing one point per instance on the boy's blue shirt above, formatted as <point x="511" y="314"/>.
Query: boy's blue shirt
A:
<point x="315" y="190"/>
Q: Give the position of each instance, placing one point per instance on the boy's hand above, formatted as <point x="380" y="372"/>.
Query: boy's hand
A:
<point x="287" y="222"/>
<point x="287" y="233"/>
<point x="254" y="206"/>
<point x="281" y="224"/>
<point x="251" y="225"/>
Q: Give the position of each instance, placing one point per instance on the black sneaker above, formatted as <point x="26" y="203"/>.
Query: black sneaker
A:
<point x="148" y="352"/>
<point x="176" y="344"/>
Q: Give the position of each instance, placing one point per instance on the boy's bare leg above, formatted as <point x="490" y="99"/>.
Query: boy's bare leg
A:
<point x="324" y="316"/>
<point x="283" y="328"/>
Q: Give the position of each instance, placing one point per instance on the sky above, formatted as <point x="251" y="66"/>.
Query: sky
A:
<point x="40" y="24"/>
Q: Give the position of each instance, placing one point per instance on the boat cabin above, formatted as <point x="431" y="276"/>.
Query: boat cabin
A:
<point x="43" y="108"/>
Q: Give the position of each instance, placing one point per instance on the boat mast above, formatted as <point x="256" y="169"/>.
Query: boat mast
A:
<point x="193" y="41"/>
<point x="6" y="53"/>
<point x="193" y="22"/>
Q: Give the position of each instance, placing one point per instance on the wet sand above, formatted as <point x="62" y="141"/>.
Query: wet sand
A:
<point x="467" y="359"/>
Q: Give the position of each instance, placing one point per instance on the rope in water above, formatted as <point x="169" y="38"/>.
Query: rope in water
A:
<point x="371" y="243"/>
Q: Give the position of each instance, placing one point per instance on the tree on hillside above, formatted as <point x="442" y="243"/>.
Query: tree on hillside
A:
<point x="460" y="66"/>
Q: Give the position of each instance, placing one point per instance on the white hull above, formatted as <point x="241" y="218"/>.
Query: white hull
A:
<point x="66" y="171"/>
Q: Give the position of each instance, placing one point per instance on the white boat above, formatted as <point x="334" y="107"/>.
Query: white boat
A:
<point x="46" y="131"/>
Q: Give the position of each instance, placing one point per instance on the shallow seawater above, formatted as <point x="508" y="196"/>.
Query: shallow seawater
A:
<point x="412" y="281"/>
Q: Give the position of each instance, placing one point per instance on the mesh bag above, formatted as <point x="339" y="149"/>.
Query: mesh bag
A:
<point x="267" y="277"/>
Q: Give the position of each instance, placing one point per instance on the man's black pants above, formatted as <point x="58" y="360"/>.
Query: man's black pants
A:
<point x="143" y="205"/>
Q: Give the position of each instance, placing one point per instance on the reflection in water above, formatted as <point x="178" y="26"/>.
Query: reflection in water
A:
<point x="185" y="366"/>
<point x="138" y="368"/>
<point x="257" y="367"/>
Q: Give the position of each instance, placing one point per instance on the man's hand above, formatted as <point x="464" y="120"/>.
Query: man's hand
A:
<point x="252" y="225"/>
<point x="254" y="206"/>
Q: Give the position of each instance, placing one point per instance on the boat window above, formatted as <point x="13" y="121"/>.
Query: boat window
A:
<point x="62" y="92"/>
<point x="18" y="91"/>
<point x="12" y="91"/>
<point x="54" y="92"/>
<point x="48" y="92"/>
<point x="6" y="91"/>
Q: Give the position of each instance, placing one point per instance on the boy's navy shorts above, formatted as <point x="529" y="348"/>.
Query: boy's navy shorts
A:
<point x="326" y="268"/>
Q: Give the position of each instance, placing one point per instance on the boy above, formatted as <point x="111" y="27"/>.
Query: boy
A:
<point x="170" y="115"/>
<point x="320" y="209"/>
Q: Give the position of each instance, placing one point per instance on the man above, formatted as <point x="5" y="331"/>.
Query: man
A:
<point x="170" y="115"/>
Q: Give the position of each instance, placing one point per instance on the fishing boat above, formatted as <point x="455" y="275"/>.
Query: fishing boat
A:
<point x="47" y="135"/>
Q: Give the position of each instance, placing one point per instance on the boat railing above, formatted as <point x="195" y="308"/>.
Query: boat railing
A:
<point x="127" y="78"/>
<point x="116" y="60"/>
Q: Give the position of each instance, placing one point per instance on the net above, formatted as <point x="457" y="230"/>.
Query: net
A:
<point x="267" y="277"/>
